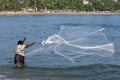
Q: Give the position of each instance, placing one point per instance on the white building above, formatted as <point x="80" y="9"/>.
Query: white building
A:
<point x="85" y="1"/>
<point x="115" y="0"/>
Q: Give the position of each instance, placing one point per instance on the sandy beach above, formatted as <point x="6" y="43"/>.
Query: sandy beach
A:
<point x="12" y="13"/>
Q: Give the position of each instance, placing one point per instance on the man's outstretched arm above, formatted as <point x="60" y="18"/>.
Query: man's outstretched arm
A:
<point x="29" y="45"/>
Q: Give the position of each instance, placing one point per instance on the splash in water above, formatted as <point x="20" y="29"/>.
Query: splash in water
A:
<point x="73" y="42"/>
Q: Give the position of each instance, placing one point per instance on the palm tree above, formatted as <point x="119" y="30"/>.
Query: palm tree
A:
<point x="35" y="5"/>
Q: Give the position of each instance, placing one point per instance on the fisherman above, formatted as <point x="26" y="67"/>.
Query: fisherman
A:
<point x="20" y="56"/>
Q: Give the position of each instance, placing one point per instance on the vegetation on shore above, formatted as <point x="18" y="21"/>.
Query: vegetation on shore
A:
<point x="78" y="5"/>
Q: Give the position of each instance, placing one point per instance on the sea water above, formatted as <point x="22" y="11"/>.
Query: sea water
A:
<point x="45" y="65"/>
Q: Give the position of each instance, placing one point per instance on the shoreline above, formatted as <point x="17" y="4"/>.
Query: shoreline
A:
<point x="11" y="13"/>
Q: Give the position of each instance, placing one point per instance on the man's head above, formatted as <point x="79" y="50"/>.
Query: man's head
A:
<point x="20" y="42"/>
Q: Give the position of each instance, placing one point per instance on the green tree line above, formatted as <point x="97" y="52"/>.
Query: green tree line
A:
<point x="100" y="5"/>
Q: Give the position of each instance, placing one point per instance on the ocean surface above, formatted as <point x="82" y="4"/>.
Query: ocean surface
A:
<point x="49" y="66"/>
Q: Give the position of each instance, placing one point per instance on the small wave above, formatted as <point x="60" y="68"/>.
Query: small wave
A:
<point x="92" y="67"/>
<point x="84" y="72"/>
<point x="2" y="76"/>
<point x="82" y="67"/>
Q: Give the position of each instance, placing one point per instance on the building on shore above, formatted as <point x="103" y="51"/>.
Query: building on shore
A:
<point x="85" y="1"/>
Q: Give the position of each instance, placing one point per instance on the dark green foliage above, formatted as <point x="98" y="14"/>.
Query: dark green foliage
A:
<point x="94" y="5"/>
